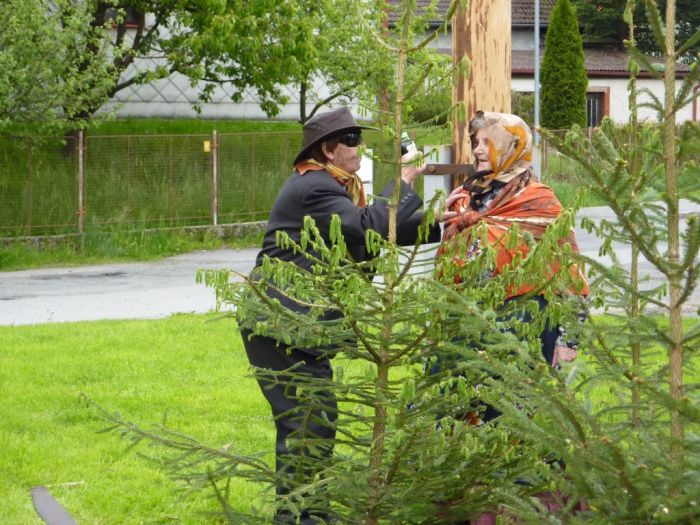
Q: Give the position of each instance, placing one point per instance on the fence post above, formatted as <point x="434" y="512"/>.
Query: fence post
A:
<point x="544" y="159"/>
<point x="215" y="178"/>
<point x="81" y="183"/>
<point x="253" y="167"/>
<point x="30" y="186"/>
<point x="170" y="197"/>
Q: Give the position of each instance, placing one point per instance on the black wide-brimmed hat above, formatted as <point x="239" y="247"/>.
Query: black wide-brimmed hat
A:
<point x="326" y="125"/>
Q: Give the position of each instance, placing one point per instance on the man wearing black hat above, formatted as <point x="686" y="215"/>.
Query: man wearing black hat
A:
<point x="324" y="183"/>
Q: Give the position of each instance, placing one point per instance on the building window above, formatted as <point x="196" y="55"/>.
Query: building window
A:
<point x="594" y="109"/>
<point x="597" y="105"/>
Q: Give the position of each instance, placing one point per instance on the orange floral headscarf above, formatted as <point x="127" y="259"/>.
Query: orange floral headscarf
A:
<point x="509" y="143"/>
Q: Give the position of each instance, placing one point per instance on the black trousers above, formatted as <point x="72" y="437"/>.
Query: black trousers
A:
<point x="290" y="414"/>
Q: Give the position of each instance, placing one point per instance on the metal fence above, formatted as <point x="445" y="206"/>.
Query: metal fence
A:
<point x="100" y="183"/>
<point x="96" y="183"/>
<point x="85" y="183"/>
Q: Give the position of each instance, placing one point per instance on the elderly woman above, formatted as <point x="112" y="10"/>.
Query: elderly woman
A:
<point x="504" y="191"/>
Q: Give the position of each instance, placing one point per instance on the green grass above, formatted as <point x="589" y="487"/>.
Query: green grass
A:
<point x="117" y="245"/>
<point x="194" y="372"/>
<point x="156" y="126"/>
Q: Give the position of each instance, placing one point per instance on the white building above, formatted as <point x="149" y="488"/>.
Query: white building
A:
<point x="606" y="66"/>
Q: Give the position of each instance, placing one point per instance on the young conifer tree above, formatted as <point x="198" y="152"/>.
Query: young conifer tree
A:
<point x="406" y="450"/>
<point x="633" y="452"/>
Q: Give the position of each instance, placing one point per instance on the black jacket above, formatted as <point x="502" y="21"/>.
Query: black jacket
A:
<point x="319" y="195"/>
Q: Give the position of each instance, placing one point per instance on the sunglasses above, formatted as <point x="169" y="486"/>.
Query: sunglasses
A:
<point x="351" y="139"/>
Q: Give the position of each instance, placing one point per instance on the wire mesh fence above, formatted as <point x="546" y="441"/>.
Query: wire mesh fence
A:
<point x="147" y="180"/>
<point x="79" y="184"/>
<point x="38" y="186"/>
<point x="95" y="183"/>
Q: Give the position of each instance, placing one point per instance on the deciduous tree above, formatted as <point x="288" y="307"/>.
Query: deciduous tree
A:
<point x="62" y="60"/>
<point x="603" y="21"/>
<point x="43" y="78"/>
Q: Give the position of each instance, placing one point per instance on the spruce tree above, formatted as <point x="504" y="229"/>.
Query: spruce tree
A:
<point x="634" y="455"/>
<point x="564" y="78"/>
<point x="617" y="429"/>
<point x="406" y="449"/>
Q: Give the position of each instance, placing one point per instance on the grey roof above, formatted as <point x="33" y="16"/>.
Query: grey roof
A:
<point x="602" y="62"/>
<point x="522" y="11"/>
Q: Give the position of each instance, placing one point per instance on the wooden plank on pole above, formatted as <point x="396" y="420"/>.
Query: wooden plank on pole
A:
<point x="482" y="34"/>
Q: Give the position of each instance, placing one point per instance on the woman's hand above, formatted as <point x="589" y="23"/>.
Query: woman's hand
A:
<point x="453" y="197"/>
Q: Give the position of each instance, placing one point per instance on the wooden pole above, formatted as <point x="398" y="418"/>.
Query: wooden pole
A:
<point x="481" y="34"/>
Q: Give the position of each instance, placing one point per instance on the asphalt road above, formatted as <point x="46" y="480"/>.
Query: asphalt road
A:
<point x="159" y="289"/>
<point x="147" y="290"/>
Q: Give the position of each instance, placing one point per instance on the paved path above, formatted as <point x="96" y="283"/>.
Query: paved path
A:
<point x="115" y="291"/>
<point x="649" y="277"/>
<point x="159" y="289"/>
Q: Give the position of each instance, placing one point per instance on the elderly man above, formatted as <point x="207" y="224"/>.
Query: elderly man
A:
<point x="324" y="182"/>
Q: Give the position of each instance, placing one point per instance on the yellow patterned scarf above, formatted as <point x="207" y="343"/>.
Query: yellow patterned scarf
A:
<point x="510" y="147"/>
<point x="351" y="181"/>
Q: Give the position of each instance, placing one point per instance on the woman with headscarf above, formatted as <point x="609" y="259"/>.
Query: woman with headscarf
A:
<point x="503" y="192"/>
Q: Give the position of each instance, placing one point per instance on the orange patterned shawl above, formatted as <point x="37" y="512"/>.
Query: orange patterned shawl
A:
<point x="533" y="206"/>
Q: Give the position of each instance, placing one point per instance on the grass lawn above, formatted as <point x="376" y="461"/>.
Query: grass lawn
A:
<point x="186" y="368"/>
<point x="194" y="372"/>
<point x="118" y="246"/>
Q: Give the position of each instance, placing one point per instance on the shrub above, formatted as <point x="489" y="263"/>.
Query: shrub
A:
<point x="564" y="78"/>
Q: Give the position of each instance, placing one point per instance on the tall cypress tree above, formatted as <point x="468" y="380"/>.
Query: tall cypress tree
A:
<point x="564" y="78"/>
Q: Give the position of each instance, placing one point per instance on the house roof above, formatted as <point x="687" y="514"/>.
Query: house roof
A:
<point x="600" y="62"/>
<point x="522" y="11"/>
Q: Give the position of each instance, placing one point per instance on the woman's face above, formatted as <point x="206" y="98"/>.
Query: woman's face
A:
<point x="481" y="151"/>
<point x="345" y="157"/>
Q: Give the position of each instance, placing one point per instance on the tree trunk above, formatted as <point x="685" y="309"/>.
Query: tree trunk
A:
<point x="636" y="344"/>
<point x="675" y="307"/>
<point x="302" y="103"/>
<point x="376" y="482"/>
<point x="481" y="35"/>
<point x="635" y="171"/>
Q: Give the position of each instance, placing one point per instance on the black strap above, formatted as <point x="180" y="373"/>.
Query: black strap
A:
<point x="49" y="509"/>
